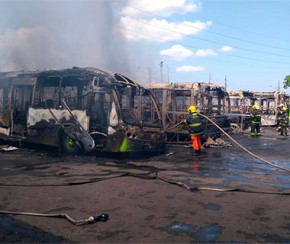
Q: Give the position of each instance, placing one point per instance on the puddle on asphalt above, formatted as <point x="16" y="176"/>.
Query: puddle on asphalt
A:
<point x="209" y="233"/>
<point x="236" y="169"/>
<point x="212" y="206"/>
<point x="179" y="227"/>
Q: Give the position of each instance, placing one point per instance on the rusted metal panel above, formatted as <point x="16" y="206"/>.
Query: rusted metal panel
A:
<point x="5" y="131"/>
<point x="5" y="119"/>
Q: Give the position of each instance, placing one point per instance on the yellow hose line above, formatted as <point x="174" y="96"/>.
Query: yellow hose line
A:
<point x="246" y="150"/>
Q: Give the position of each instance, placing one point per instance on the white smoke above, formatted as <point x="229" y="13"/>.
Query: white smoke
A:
<point x="61" y="34"/>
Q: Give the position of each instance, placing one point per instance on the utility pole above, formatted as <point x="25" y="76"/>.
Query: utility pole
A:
<point x="149" y="73"/>
<point x="209" y="78"/>
<point x="225" y="83"/>
<point x="167" y="73"/>
<point x="161" y="65"/>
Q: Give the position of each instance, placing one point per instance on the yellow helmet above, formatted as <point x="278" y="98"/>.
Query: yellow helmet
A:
<point x="281" y="105"/>
<point x="255" y="106"/>
<point x="284" y="109"/>
<point x="192" y="109"/>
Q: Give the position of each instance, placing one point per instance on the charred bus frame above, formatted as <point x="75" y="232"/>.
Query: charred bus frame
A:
<point x="79" y="108"/>
<point x="241" y="103"/>
<point x="174" y="99"/>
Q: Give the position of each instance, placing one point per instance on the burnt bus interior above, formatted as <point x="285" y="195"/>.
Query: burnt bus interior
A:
<point x="96" y="110"/>
<point x="175" y="98"/>
<point x="241" y="103"/>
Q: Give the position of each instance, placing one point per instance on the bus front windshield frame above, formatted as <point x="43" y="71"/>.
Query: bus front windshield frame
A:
<point x="138" y="106"/>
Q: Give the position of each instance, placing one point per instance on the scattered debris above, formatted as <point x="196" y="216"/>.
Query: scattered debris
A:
<point x="7" y="148"/>
<point x="218" y="142"/>
<point x="169" y="154"/>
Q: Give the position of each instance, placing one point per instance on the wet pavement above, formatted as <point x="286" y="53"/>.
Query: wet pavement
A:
<point x="224" y="195"/>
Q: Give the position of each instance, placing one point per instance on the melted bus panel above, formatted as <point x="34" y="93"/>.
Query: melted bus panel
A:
<point x="79" y="108"/>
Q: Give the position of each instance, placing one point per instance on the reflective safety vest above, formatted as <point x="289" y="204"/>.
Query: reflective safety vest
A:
<point x="256" y="117"/>
<point x="282" y="119"/>
<point x="194" y="122"/>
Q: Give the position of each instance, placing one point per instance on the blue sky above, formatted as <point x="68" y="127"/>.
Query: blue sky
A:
<point x="244" y="42"/>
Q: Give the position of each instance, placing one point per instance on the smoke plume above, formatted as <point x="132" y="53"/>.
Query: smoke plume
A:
<point x="61" y="34"/>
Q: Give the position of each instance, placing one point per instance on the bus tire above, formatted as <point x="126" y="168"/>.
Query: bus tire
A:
<point x="68" y="144"/>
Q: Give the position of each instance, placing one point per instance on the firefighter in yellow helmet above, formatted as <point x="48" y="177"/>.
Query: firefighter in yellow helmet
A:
<point x="255" y="116"/>
<point x="283" y="120"/>
<point x="194" y="122"/>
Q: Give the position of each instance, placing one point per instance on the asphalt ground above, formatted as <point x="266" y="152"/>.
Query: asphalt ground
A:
<point x="223" y="196"/>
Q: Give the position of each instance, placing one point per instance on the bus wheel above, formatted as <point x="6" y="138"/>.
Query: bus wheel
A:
<point x="68" y="144"/>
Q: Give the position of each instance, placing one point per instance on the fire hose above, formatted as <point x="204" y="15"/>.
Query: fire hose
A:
<point x="242" y="147"/>
<point x="90" y="220"/>
<point x="231" y="189"/>
<point x="104" y="217"/>
<point x="232" y="139"/>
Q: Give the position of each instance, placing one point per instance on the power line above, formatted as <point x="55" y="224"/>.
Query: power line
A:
<point x="226" y="54"/>
<point x="247" y="31"/>
<point x="223" y="35"/>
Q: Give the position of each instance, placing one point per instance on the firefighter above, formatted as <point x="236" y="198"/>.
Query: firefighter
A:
<point x="255" y="116"/>
<point x="279" y="112"/>
<point x="194" y="122"/>
<point x="283" y="120"/>
<point x="280" y="107"/>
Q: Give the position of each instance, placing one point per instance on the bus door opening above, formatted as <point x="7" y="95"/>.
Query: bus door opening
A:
<point x="20" y="101"/>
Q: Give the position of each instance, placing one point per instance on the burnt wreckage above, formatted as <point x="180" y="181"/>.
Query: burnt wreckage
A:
<point x="79" y="108"/>
<point x="241" y="103"/>
<point x="175" y="98"/>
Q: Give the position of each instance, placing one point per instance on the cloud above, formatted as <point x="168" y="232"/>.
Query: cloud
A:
<point x="226" y="49"/>
<point x="159" y="30"/>
<point x="160" y="7"/>
<point x="188" y="68"/>
<point x="205" y="53"/>
<point x="177" y="52"/>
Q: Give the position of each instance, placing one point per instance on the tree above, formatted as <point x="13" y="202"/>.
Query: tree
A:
<point x="286" y="82"/>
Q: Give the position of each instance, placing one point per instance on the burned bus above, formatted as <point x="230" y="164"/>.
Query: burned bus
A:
<point x="79" y="109"/>
<point x="241" y="103"/>
<point x="175" y="98"/>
